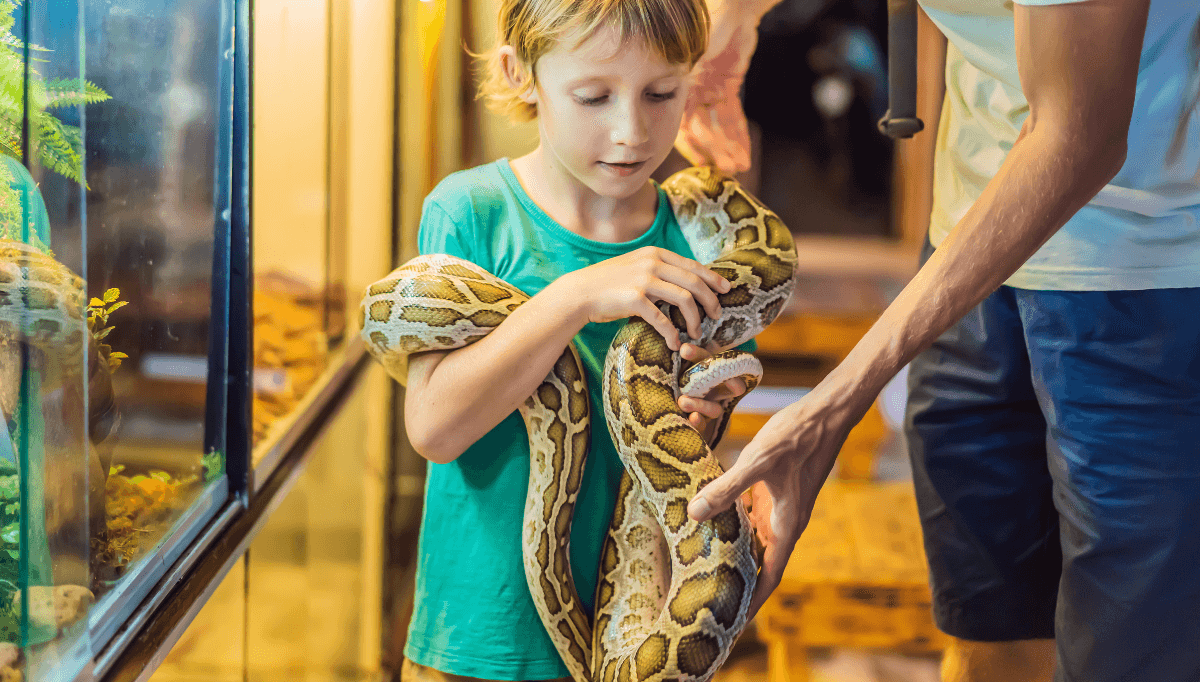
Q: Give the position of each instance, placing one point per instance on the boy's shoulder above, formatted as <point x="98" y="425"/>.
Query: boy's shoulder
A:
<point x="469" y="193"/>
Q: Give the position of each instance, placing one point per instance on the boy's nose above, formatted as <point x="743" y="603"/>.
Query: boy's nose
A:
<point x="631" y="127"/>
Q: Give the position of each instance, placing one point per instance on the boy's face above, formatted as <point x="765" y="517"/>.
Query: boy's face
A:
<point x="608" y="113"/>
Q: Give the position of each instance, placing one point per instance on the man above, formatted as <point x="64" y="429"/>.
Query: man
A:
<point x="1054" y="405"/>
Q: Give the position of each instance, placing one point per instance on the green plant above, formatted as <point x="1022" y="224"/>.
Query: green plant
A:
<point x="214" y="465"/>
<point x="10" y="538"/>
<point x="97" y="315"/>
<point x="56" y="145"/>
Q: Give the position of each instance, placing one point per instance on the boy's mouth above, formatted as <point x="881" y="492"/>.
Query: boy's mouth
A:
<point x="623" y="169"/>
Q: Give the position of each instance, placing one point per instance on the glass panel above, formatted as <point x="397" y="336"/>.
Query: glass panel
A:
<point x="291" y="246"/>
<point x="315" y="569"/>
<point x="153" y="154"/>
<point x="51" y="471"/>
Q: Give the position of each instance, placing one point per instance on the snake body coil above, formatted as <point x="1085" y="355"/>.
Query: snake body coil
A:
<point x="42" y="304"/>
<point x="673" y="594"/>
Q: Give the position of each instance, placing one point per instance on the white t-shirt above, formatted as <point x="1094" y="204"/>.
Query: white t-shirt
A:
<point x="1142" y="231"/>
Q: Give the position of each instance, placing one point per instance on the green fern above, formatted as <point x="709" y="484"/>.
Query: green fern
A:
<point x="56" y="145"/>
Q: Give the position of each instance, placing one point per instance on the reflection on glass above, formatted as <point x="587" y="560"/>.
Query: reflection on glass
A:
<point x="105" y="296"/>
<point x="151" y="156"/>
<point x="52" y="371"/>
<point x="289" y="345"/>
<point x="293" y="296"/>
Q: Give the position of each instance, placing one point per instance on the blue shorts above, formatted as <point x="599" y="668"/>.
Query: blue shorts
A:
<point x="1055" y="442"/>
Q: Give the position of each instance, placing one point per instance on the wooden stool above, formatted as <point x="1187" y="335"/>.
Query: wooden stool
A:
<point x="857" y="578"/>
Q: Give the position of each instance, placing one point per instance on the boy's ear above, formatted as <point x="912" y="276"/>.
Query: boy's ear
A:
<point x="517" y="74"/>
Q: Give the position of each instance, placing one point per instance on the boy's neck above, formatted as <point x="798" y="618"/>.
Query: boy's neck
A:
<point x="577" y="208"/>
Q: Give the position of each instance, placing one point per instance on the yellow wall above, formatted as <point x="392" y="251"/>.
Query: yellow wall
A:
<point x="291" y="119"/>
<point x="368" y="160"/>
<point x="498" y="137"/>
<point x="427" y="118"/>
<point x="323" y="137"/>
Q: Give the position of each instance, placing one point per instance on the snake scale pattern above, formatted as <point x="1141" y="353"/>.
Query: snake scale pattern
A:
<point x="42" y="304"/>
<point x="673" y="594"/>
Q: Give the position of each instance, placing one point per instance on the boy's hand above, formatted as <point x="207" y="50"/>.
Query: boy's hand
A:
<point x="632" y="285"/>
<point x="703" y="411"/>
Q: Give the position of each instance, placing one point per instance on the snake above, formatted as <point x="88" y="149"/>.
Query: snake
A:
<point x="42" y="304"/>
<point x="673" y="594"/>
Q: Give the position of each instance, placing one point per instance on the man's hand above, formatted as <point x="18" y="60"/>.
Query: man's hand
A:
<point x="714" y="128"/>
<point x="786" y="463"/>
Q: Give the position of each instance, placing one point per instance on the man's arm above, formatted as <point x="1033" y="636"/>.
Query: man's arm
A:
<point x="1078" y="65"/>
<point x="913" y="179"/>
<point x="714" y="128"/>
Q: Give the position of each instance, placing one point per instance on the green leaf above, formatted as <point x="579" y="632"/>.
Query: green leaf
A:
<point x="112" y="295"/>
<point x="96" y="303"/>
<point x="115" y="307"/>
<point x="11" y="533"/>
<point x="62" y="92"/>
<point x="14" y="508"/>
<point x="10" y="488"/>
<point x="103" y="333"/>
<point x="161" y="476"/>
<point x="214" y="465"/>
<point x="58" y="147"/>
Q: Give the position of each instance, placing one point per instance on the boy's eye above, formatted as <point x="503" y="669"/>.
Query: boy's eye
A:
<point x="590" y="101"/>
<point x="662" y="96"/>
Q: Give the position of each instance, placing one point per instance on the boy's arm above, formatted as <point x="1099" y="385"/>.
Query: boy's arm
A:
<point x="455" y="398"/>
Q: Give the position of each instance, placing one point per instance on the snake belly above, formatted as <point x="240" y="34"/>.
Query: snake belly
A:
<point x="673" y="594"/>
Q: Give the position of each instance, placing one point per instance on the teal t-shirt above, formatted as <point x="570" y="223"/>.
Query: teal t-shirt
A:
<point x="23" y="217"/>
<point x="473" y="614"/>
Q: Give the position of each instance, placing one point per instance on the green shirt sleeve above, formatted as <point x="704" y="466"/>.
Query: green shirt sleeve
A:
<point x="23" y="214"/>
<point x="23" y="218"/>
<point x="439" y="233"/>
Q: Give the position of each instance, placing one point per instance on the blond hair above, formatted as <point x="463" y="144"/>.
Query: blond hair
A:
<point x="675" y="29"/>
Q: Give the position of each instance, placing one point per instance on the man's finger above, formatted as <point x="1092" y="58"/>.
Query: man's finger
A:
<point x="693" y="353"/>
<point x="734" y="387"/>
<point x="767" y="582"/>
<point x="770" y="575"/>
<point x="721" y="493"/>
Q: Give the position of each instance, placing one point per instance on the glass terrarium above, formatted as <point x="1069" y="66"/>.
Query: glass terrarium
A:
<point x="114" y="198"/>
